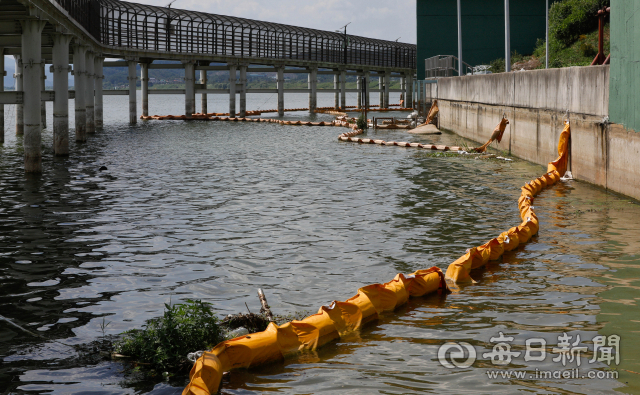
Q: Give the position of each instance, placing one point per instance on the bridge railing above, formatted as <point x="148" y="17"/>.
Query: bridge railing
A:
<point x="145" y="27"/>
<point x="85" y="12"/>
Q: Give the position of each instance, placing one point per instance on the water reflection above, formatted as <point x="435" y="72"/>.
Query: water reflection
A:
<point x="214" y="211"/>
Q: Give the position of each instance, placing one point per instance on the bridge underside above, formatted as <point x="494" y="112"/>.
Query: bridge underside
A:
<point x="82" y="33"/>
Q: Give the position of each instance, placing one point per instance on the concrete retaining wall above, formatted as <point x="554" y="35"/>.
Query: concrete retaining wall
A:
<point x="535" y="102"/>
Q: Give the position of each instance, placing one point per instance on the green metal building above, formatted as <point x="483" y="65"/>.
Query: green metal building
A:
<point x="482" y="29"/>
<point x="624" y="77"/>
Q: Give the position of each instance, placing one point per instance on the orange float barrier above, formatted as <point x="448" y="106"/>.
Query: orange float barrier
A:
<point x="496" y="135"/>
<point x="459" y="271"/>
<point x="330" y="323"/>
<point x="339" y="318"/>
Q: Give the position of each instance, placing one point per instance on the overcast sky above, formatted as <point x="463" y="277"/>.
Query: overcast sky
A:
<point x="383" y="19"/>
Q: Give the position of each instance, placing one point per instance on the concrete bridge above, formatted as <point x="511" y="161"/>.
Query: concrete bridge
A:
<point x="83" y="33"/>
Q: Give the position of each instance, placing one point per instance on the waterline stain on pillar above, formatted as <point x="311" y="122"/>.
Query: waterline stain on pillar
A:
<point x="280" y="82"/>
<point x="43" y="104"/>
<point x="60" y="69"/>
<point x="144" y="87"/>
<point x="243" y="91"/>
<point x="133" y="107"/>
<point x="89" y="96"/>
<point x="203" y="96"/>
<point x="19" y="88"/>
<point x="232" y="90"/>
<point x="189" y="91"/>
<point x="98" y="67"/>
<point x="343" y="89"/>
<point x="313" y="92"/>
<point x="2" y="72"/>
<point x="31" y="68"/>
<point x="79" y="82"/>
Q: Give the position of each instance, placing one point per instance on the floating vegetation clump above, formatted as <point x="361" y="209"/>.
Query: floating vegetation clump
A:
<point x="164" y="342"/>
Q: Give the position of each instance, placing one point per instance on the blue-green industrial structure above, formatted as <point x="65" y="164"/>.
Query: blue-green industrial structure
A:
<point x="482" y="29"/>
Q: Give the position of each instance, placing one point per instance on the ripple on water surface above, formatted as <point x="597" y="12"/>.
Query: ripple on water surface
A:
<point x="216" y="210"/>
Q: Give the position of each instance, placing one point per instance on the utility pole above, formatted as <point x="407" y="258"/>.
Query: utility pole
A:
<point x="507" y="38"/>
<point x="459" y="39"/>
<point x="546" y="54"/>
<point x="346" y="41"/>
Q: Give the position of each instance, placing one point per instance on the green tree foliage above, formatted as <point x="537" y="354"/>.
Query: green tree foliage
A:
<point x="361" y="122"/>
<point x="569" y="19"/>
<point x="164" y="342"/>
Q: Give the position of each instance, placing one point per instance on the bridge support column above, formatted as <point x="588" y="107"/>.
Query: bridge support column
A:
<point x="403" y="88"/>
<point x="133" y="105"/>
<point x="381" y="94"/>
<point x="89" y="98"/>
<point x="232" y="90"/>
<point x="387" y="83"/>
<point x="43" y="104"/>
<point x="313" y="89"/>
<point x="78" y="84"/>
<point x="31" y="68"/>
<point x="280" y="90"/>
<point x="60" y="70"/>
<point x="243" y="91"/>
<point x="359" y="87"/>
<point x="203" y="96"/>
<point x="343" y="89"/>
<point x="98" y="68"/>
<point x="190" y="89"/>
<point x="408" y="96"/>
<point x="336" y="95"/>
<point x="2" y="74"/>
<point x="366" y="80"/>
<point x="144" y="87"/>
<point x="18" y="88"/>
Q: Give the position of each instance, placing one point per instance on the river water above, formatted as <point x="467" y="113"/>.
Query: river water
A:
<point x="213" y="211"/>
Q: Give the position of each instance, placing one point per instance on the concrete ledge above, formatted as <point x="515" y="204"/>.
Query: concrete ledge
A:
<point x="604" y="155"/>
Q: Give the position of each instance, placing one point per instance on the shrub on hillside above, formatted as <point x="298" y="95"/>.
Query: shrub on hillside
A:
<point x="568" y="19"/>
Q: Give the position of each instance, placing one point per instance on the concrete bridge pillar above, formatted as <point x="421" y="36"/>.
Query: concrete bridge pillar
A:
<point x="243" y="91"/>
<point x="2" y="74"/>
<point x="359" y="87"/>
<point x="403" y="88"/>
<point x="203" y="96"/>
<point x="43" y="104"/>
<point x="133" y="105"/>
<point x="31" y="68"/>
<point x="281" y="90"/>
<point x="381" y="94"/>
<point x="232" y="90"/>
<point x="18" y="88"/>
<point x="343" y="89"/>
<point x="89" y="98"/>
<point x="387" y="83"/>
<point x="190" y="89"/>
<point x="144" y="87"/>
<point x="78" y="85"/>
<point x="408" y="96"/>
<point x="336" y="95"/>
<point x="60" y="69"/>
<point x="98" y="69"/>
<point x="366" y="80"/>
<point x="313" y="89"/>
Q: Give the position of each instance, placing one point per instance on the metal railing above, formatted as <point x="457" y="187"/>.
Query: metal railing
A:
<point x="445" y="66"/>
<point x="145" y="27"/>
<point x="85" y="12"/>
